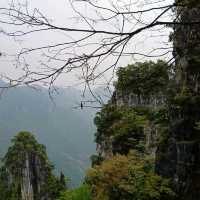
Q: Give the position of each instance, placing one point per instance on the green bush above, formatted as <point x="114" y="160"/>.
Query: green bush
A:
<point x="124" y="125"/>
<point x="127" y="178"/>
<point x="144" y="78"/>
<point x="81" y="193"/>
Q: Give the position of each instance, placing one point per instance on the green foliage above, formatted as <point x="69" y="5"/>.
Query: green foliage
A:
<point x="63" y="181"/>
<point x="127" y="178"/>
<point x="26" y="148"/>
<point x="24" y="143"/>
<point x="96" y="160"/>
<point x="53" y="186"/>
<point x="128" y="132"/>
<point x="4" y="190"/>
<point x="81" y="193"/>
<point x="185" y="113"/>
<point x="104" y="119"/>
<point x="148" y="78"/>
<point x="123" y="125"/>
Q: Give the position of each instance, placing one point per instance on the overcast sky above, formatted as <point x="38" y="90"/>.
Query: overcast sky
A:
<point x="61" y="13"/>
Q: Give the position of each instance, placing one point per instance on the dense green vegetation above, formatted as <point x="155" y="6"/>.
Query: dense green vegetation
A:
<point x="149" y="82"/>
<point x="144" y="78"/>
<point x="27" y="154"/>
<point x="129" y="173"/>
<point x="81" y="193"/>
<point x="167" y="99"/>
<point x="127" y="178"/>
<point x="23" y="142"/>
<point x="123" y="125"/>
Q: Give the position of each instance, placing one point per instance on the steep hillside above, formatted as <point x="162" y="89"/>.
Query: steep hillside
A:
<point x="178" y="154"/>
<point x="67" y="132"/>
<point x="129" y="128"/>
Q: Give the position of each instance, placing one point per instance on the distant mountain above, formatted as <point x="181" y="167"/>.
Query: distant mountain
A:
<point x="67" y="133"/>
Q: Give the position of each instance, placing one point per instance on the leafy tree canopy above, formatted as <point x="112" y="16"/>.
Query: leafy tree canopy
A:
<point x="127" y="178"/>
<point x="144" y="78"/>
<point x="124" y="125"/>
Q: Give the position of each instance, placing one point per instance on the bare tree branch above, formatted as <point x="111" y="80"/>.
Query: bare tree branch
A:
<point x="93" y="50"/>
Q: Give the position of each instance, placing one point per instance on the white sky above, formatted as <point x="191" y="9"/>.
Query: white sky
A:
<point x="62" y="14"/>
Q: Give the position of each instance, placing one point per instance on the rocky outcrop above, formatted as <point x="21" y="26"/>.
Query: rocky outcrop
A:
<point x="133" y="99"/>
<point x="28" y="171"/>
<point x="26" y="182"/>
<point x="34" y="178"/>
<point x="179" y="160"/>
<point x="105" y="149"/>
<point x="178" y="155"/>
<point x="126" y="122"/>
<point x="151" y="102"/>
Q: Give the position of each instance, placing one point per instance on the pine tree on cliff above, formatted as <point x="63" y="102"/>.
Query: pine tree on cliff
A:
<point x="27" y="173"/>
<point x="178" y="155"/>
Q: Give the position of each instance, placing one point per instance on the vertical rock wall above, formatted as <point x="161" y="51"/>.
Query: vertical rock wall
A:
<point x="131" y="99"/>
<point x="26" y="181"/>
<point x="28" y="170"/>
<point x="178" y="157"/>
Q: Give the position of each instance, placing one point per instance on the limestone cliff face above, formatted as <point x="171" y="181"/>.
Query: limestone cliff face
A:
<point x="125" y="123"/>
<point x="26" y="182"/>
<point x="34" y="177"/>
<point x="27" y="169"/>
<point x="177" y="155"/>
<point x="133" y="100"/>
<point x="178" y="158"/>
<point x="105" y="148"/>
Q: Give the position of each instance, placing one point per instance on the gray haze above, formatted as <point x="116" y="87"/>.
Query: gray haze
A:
<point x="61" y="14"/>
